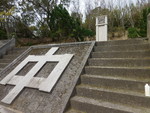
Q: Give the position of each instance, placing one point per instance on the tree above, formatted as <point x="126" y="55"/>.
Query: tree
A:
<point x="60" y="22"/>
<point x="143" y="23"/>
<point x="6" y="11"/>
<point x="39" y="10"/>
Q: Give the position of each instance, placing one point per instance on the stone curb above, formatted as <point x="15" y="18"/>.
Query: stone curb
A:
<point x="61" y="44"/>
<point x="83" y="63"/>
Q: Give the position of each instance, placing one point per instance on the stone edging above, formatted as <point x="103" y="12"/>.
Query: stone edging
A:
<point x="60" y="45"/>
<point x="83" y="63"/>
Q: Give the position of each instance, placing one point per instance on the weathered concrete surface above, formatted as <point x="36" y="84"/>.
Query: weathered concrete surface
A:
<point x="34" y="101"/>
<point x="4" y="109"/>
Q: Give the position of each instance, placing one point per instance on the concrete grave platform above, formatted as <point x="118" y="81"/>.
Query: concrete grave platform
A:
<point x="32" y="100"/>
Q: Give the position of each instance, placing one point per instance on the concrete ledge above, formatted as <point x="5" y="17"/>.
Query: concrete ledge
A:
<point x="7" y="46"/>
<point x="83" y="63"/>
<point x="61" y="44"/>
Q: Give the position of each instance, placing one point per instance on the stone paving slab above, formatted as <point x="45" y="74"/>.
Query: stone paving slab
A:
<point x="35" y="101"/>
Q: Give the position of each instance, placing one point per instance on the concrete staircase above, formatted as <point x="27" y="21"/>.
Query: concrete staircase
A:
<point x="10" y="56"/>
<point x="114" y="79"/>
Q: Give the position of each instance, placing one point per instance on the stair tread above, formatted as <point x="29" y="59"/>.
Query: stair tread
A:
<point x="119" y="58"/>
<point x="4" y="63"/>
<point x="74" y="111"/>
<point x="122" y="51"/>
<point x="116" y="42"/>
<point x="119" y="62"/>
<point x="118" y="78"/>
<point x="113" y="90"/>
<point x="127" y="48"/>
<point x="111" y="105"/>
<point x="5" y="60"/>
<point x="140" y="44"/>
<point x="118" y="67"/>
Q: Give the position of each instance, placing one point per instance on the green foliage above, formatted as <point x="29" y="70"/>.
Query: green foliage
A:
<point x="3" y="34"/>
<point x="23" y="31"/>
<point x="143" y="23"/>
<point x="42" y="30"/>
<point x="60" y="21"/>
<point x="142" y="27"/>
<point x="87" y="32"/>
<point x="132" y="32"/>
<point x="63" y="25"/>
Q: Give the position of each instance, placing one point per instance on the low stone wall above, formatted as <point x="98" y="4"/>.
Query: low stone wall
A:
<point x="6" y="45"/>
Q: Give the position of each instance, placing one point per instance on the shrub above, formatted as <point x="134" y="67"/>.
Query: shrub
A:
<point x="143" y="23"/>
<point x="3" y="34"/>
<point x="132" y="32"/>
<point x="87" y="32"/>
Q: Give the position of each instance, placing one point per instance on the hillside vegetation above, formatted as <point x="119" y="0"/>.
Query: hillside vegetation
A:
<point x="43" y="21"/>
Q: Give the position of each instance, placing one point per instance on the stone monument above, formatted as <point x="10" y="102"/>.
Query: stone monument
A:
<point x="101" y="28"/>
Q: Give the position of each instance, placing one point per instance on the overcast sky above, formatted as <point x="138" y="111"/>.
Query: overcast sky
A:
<point x="83" y="3"/>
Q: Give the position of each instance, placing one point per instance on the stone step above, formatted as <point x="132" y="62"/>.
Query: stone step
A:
<point x="74" y="111"/>
<point x="2" y="65"/>
<point x="1" y="69"/>
<point x="10" y="57"/>
<point x="14" y="53"/>
<point x="120" y="42"/>
<point x="141" y="73"/>
<point x="133" y="54"/>
<point x="17" y="50"/>
<point x="89" y="105"/>
<point x="114" y="82"/>
<point x="121" y="62"/>
<point x="114" y="95"/>
<point x="6" y="60"/>
<point x="122" y="47"/>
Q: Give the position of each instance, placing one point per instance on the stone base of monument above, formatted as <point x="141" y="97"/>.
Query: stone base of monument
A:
<point x="32" y="97"/>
